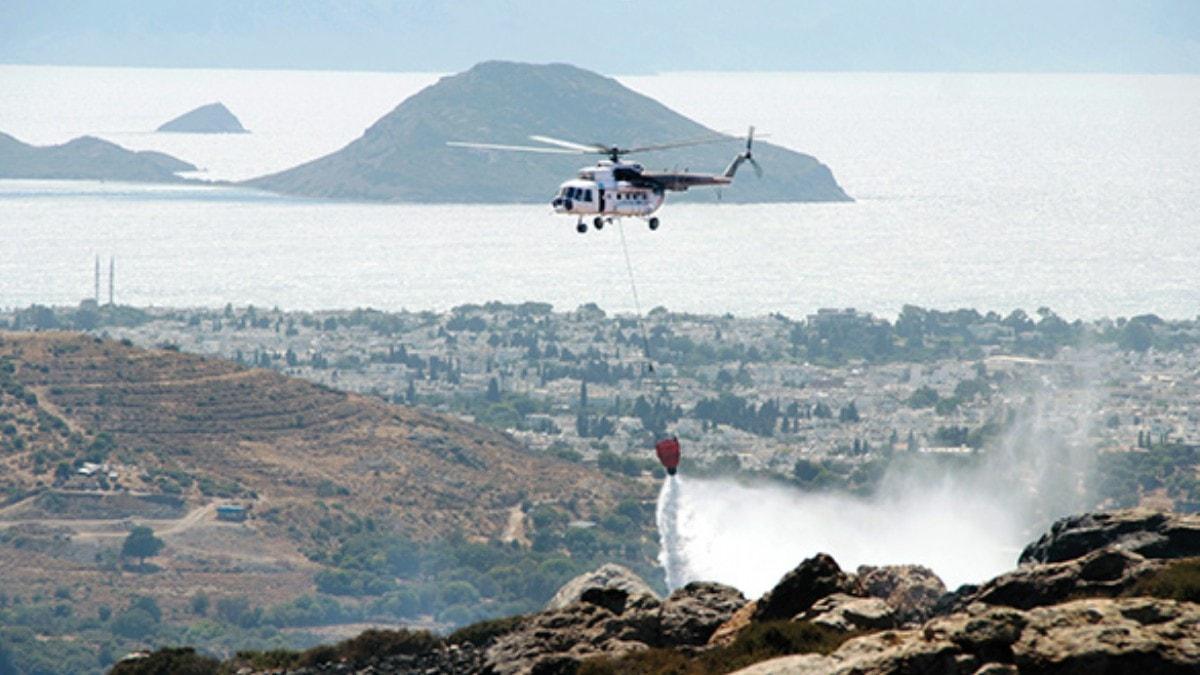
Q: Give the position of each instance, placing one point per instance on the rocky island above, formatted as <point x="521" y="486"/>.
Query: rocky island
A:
<point x="403" y="157"/>
<point x="213" y="118"/>
<point x="87" y="158"/>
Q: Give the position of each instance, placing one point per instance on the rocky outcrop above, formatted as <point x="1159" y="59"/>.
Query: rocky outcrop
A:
<point x="691" y="615"/>
<point x="1125" y="635"/>
<point x="812" y="580"/>
<point x="611" y="612"/>
<point x="1092" y="555"/>
<point x="913" y="591"/>
<point x="610" y="577"/>
<point x="1151" y="534"/>
<point x="848" y="613"/>
<point x="552" y="640"/>
<point x="1104" y="573"/>
<point x="213" y="118"/>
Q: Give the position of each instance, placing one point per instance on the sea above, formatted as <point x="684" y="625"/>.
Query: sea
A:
<point x="1077" y="192"/>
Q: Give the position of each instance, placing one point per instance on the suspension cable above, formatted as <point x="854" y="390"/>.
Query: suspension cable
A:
<point x="637" y="305"/>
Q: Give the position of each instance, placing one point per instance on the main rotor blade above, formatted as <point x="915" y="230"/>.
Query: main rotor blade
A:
<point x="517" y="148"/>
<point x="679" y="144"/>
<point x="581" y="147"/>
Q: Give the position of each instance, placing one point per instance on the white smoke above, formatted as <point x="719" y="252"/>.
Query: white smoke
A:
<point x="748" y="536"/>
<point x="967" y="524"/>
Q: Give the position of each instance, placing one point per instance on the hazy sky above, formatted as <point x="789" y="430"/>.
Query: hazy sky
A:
<point x="613" y="37"/>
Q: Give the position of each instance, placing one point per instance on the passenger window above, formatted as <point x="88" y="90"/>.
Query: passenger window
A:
<point x="587" y="195"/>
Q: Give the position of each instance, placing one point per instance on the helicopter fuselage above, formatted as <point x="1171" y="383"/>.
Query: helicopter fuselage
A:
<point x="611" y="189"/>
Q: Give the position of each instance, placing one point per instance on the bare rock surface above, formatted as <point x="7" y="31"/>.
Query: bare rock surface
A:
<point x="553" y="640"/>
<point x="621" y="617"/>
<point x="1151" y="534"/>
<point x="691" y="614"/>
<point x="912" y="591"/>
<point x="848" y="613"/>
<point x="1099" y="635"/>
<point x="610" y="576"/>
<point x="812" y="580"/>
<point x="1103" y="573"/>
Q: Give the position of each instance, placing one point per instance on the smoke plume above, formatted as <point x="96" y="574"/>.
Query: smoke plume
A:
<point x="968" y="521"/>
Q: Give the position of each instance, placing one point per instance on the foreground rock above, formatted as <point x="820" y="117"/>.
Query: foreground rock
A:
<point x="1150" y="534"/>
<point x="1126" y="635"/>
<point x="213" y="118"/>
<point x="693" y="613"/>
<point x="1104" y="573"/>
<point x="812" y="580"/>
<point x="1093" y="555"/>
<point x="610" y="620"/>
<point x="912" y="591"/>
<point x="610" y="576"/>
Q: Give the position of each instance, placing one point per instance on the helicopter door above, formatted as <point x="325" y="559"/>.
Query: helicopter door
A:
<point x="600" y="194"/>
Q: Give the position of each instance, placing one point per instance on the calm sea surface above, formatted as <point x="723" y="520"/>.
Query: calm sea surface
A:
<point x="1078" y="192"/>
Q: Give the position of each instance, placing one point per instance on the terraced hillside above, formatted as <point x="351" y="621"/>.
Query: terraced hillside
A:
<point x="358" y="512"/>
<point x="195" y="427"/>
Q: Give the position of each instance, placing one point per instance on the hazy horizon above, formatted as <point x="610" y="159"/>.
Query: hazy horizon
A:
<point x="761" y="36"/>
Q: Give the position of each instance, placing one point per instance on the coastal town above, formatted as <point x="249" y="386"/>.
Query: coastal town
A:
<point x="837" y="389"/>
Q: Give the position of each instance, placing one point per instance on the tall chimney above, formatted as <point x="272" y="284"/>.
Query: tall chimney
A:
<point x="97" y="279"/>
<point x="111" y="267"/>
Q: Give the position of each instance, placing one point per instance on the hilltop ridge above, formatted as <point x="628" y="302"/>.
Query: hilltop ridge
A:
<point x="403" y="156"/>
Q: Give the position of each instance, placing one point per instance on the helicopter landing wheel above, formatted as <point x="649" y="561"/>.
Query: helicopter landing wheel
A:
<point x="581" y="227"/>
<point x="598" y="223"/>
<point x="654" y="223"/>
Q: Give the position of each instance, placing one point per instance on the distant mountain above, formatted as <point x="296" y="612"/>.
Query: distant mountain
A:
<point x="404" y="157"/>
<point x="87" y="158"/>
<point x="213" y="118"/>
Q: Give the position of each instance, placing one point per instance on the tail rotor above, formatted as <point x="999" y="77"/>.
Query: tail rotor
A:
<point x="746" y="155"/>
<point x="749" y="157"/>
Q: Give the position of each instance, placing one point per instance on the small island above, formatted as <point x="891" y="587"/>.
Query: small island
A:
<point x="213" y="118"/>
<point x="87" y="158"/>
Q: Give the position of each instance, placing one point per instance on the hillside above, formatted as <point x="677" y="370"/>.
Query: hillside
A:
<point x="404" y="157"/>
<point x="281" y="441"/>
<point x="86" y="158"/>
<point x="358" y="510"/>
<point x="213" y="118"/>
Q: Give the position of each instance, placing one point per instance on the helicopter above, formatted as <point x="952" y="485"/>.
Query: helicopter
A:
<point x="614" y="188"/>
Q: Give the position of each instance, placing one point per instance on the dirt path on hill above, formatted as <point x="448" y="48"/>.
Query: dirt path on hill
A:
<point x="514" y="530"/>
<point x="86" y="529"/>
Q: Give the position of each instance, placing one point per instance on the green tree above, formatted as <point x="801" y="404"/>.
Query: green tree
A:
<point x="1135" y="336"/>
<point x="200" y="603"/>
<point x="141" y="544"/>
<point x="923" y="397"/>
<point x="849" y="413"/>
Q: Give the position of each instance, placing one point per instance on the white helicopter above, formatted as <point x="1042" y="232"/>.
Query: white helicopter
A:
<point x="617" y="189"/>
